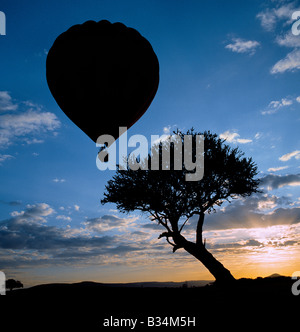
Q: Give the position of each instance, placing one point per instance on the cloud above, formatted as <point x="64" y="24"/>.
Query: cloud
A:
<point x="6" y="103"/>
<point x="288" y="40"/>
<point x="56" y="180"/>
<point x="35" y="213"/>
<point x="28" y="121"/>
<point x="276" y="169"/>
<point x="11" y="203"/>
<point x="298" y="99"/>
<point x="76" y="207"/>
<point x="239" y="45"/>
<point x="28" y="230"/>
<point x="167" y="130"/>
<point x="107" y="223"/>
<point x="290" y="63"/>
<point x="275" y="105"/>
<point x="62" y="217"/>
<point x="233" y="137"/>
<point x="270" y="17"/>
<point x="34" y="141"/>
<point x="4" y="157"/>
<point x="290" y="155"/>
<point x="240" y="244"/>
<point x="241" y="215"/>
<point x="273" y="181"/>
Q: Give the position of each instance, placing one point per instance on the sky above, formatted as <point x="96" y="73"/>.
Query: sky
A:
<point x="232" y="67"/>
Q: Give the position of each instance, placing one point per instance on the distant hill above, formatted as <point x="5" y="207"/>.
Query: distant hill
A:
<point x="87" y="285"/>
<point x="274" y="275"/>
<point x="159" y="284"/>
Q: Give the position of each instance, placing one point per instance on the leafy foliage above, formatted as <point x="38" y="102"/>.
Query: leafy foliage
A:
<point x="167" y="196"/>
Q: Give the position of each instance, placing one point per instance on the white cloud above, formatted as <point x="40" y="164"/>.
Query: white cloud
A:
<point x="244" y="140"/>
<point x="275" y="105"/>
<point x="56" y="180"/>
<point x="76" y="207"/>
<point x="239" y="45"/>
<point x="34" y="141"/>
<point x="290" y="155"/>
<point x="267" y="19"/>
<point x="6" y="103"/>
<point x="288" y="40"/>
<point x="25" y="123"/>
<point x="33" y="214"/>
<point x="62" y="217"/>
<point x="233" y="137"/>
<point x="270" y="17"/>
<point x="290" y="63"/>
<point x="276" y="169"/>
<point x="167" y="130"/>
<point x="270" y="202"/>
<point x="4" y="157"/>
<point x="258" y="135"/>
<point x="298" y="99"/>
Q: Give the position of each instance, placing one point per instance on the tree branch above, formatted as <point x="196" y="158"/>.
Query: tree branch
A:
<point x="167" y="235"/>
<point x="183" y="225"/>
<point x="159" y="219"/>
<point x="199" y="230"/>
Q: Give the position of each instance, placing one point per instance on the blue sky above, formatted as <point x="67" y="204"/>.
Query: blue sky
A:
<point x="232" y="67"/>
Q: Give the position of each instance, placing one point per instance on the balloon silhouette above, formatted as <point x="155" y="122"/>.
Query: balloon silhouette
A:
<point x="103" y="76"/>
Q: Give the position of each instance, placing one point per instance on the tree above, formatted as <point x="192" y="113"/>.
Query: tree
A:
<point x="12" y="283"/>
<point x="169" y="198"/>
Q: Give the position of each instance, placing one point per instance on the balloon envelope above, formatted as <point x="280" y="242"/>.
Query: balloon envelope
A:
<point x="103" y="76"/>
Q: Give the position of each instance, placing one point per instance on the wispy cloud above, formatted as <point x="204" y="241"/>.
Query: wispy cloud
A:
<point x="26" y="123"/>
<point x="56" y="180"/>
<point x="276" y="169"/>
<point x="290" y="63"/>
<point x="288" y="40"/>
<point x="4" y="157"/>
<point x="282" y="14"/>
<point x="63" y="217"/>
<point x="290" y="155"/>
<point x="239" y="45"/>
<point x="234" y="137"/>
<point x="275" y="105"/>
<point x="6" y="102"/>
<point x="271" y="16"/>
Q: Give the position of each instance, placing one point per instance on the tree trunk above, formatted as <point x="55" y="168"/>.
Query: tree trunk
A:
<point x="198" y="250"/>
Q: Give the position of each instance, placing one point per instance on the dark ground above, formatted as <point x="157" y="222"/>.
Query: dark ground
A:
<point x="266" y="302"/>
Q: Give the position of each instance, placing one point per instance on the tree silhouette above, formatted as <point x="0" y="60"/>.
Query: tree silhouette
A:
<point x="168" y="197"/>
<point x="12" y="283"/>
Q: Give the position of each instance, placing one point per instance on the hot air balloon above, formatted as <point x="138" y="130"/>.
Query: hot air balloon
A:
<point x="102" y="75"/>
